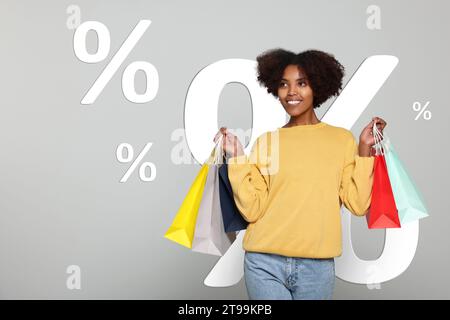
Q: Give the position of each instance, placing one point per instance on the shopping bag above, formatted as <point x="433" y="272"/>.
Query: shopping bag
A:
<point x="183" y="226"/>
<point x="409" y="201"/>
<point x="232" y="218"/>
<point x="210" y="236"/>
<point x="383" y="212"/>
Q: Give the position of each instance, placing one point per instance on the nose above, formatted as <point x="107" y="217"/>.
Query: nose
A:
<point x="292" y="91"/>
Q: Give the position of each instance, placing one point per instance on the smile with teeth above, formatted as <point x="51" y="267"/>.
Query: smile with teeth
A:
<point x="294" y="101"/>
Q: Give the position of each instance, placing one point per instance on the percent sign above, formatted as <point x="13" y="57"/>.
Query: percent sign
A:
<point x="426" y="113"/>
<point x="134" y="164"/>
<point x="104" y="41"/>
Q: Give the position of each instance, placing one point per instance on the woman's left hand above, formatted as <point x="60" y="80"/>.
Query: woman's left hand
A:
<point x="366" y="138"/>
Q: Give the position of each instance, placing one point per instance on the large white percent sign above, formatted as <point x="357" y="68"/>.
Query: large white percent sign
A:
<point x="200" y="124"/>
<point x="104" y="41"/>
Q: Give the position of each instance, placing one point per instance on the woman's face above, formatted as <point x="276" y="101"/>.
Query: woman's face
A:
<point x="294" y="91"/>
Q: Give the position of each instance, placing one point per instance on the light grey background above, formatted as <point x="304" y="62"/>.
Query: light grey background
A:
<point x="60" y="199"/>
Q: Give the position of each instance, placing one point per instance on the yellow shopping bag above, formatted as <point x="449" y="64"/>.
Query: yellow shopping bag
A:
<point x="183" y="226"/>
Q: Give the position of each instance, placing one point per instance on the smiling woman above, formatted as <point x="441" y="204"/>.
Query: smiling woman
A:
<point x="294" y="229"/>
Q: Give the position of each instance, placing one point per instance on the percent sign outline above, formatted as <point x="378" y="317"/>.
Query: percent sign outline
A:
<point x="134" y="164"/>
<point x="116" y="61"/>
<point x="400" y="245"/>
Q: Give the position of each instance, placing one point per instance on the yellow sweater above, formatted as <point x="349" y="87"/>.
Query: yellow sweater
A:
<point x="291" y="187"/>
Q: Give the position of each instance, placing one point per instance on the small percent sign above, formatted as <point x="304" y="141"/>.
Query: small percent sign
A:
<point x="134" y="164"/>
<point x="128" y="76"/>
<point x="426" y="114"/>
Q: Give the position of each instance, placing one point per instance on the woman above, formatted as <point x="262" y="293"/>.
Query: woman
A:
<point x="294" y="229"/>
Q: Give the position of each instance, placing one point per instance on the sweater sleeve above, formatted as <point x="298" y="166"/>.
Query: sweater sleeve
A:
<point x="357" y="180"/>
<point x="250" y="182"/>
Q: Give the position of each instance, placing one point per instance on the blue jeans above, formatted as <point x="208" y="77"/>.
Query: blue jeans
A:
<point x="276" y="277"/>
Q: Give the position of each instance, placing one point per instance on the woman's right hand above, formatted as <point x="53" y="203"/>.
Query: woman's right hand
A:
<point x="230" y="143"/>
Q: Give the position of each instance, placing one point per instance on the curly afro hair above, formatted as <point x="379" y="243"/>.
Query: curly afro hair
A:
<point x="323" y="71"/>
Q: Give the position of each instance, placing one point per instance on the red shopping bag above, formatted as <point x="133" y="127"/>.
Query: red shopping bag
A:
<point x="383" y="212"/>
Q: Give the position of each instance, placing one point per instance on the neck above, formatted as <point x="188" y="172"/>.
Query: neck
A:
<point x="303" y="119"/>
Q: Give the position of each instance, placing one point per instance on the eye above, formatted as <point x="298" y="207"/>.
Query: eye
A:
<point x="282" y="84"/>
<point x="303" y="83"/>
